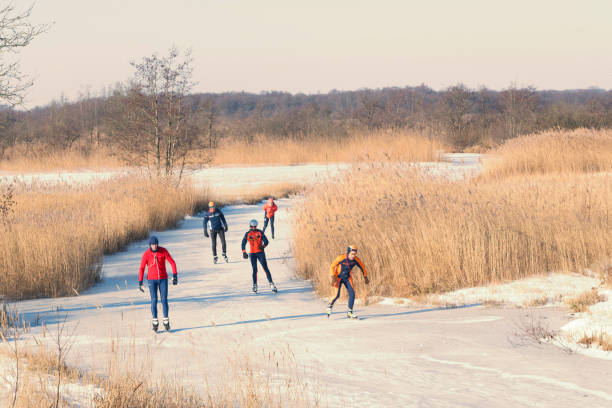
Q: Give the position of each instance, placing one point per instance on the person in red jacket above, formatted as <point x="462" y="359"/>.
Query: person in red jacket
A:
<point x="257" y="243"/>
<point x="269" y="209"/>
<point x="341" y="274"/>
<point x="154" y="259"/>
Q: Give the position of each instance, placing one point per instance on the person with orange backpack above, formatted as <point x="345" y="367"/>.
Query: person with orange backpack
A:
<point x="269" y="209"/>
<point x="257" y="243"/>
<point x="341" y="273"/>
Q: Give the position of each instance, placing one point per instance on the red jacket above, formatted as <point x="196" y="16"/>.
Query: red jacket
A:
<point x="270" y="209"/>
<point x="256" y="239"/>
<point x="156" y="263"/>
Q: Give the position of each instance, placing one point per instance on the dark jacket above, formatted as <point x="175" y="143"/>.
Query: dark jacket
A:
<point x="216" y="221"/>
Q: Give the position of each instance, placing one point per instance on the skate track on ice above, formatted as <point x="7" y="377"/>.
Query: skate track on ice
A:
<point x="395" y="356"/>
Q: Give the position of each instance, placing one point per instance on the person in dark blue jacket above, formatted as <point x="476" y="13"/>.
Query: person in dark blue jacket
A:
<point x="214" y="221"/>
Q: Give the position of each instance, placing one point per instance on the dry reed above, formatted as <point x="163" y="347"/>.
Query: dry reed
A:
<point x="601" y="340"/>
<point x="255" y="194"/>
<point x="57" y="235"/>
<point x="579" y="151"/>
<point x="388" y="145"/>
<point x="421" y="235"/>
<point x="582" y="302"/>
<point x="20" y="160"/>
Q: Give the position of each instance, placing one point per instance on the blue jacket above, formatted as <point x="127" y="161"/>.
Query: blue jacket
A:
<point x="216" y="221"/>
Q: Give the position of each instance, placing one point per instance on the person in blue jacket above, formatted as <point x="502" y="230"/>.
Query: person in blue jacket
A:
<point x="214" y="221"/>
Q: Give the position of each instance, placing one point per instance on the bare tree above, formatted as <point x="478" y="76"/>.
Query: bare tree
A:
<point x="370" y="111"/>
<point x="210" y="112"/>
<point x="16" y="32"/>
<point x="156" y="124"/>
<point x="456" y="104"/>
<point x="518" y="108"/>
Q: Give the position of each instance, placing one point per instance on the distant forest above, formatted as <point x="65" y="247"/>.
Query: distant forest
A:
<point x="460" y="116"/>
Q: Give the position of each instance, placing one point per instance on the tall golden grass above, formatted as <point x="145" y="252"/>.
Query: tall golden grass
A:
<point x="56" y="236"/>
<point x="420" y="235"/>
<point x="578" y="151"/>
<point x="41" y="160"/>
<point x="255" y="194"/>
<point x="390" y="145"/>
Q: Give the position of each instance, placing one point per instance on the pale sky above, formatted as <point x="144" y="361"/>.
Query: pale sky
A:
<point x="314" y="46"/>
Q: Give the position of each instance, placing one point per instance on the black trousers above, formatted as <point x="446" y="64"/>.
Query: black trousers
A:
<point x="213" y="237"/>
<point x="261" y="257"/>
<point x="271" y="219"/>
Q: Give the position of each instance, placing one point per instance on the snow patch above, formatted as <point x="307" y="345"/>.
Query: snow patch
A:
<point x="552" y="289"/>
<point x="536" y="378"/>
<point x="596" y="322"/>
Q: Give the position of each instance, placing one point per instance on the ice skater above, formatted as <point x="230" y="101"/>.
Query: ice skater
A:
<point x="341" y="275"/>
<point x="257" y="243"/>
<point x="215" y="221"/>
<point x="154" y="259"/>
<point x="269" y="209"/>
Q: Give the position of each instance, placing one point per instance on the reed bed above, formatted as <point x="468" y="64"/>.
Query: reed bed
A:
<point x="420" y="235"/>
<point x="257" y="193"/>
<point x="385" y="145"/>
<point x="39" y="160"/>
<point x="578" y="151"/>
<point x="55" y="236"/>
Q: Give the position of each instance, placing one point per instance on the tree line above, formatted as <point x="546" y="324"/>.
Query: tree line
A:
<point x="155" y="119"/>
<point x="462" y="116"/>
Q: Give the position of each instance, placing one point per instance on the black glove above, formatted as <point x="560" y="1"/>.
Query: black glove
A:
<point x="245" y="255"/>
<point x="367" y="281"/>
<point x="206" y="235"/>
<point x="174" y="279"/>
<point x="140" y="288"/>
<point x="225" y="229"/>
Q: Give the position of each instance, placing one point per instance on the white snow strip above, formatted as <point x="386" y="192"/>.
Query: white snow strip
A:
<point x="223" y="178"/>
<point x="545" y="380"/>
<point x="552" y="289"/>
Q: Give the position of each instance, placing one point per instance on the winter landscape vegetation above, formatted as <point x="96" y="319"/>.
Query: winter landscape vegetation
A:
<point x="481" y="215"/>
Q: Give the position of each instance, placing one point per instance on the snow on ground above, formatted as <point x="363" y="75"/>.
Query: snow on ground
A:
<point x="456" y="165"/>
<point x="70" y="177"/>
<point x="71" y="392"/>
<point x="595" y="322"/>
<point x="432" y="356"/>
<point x="553" y="289"/>
<point x="211" y="177"/>
<point x="394" y="356"/>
